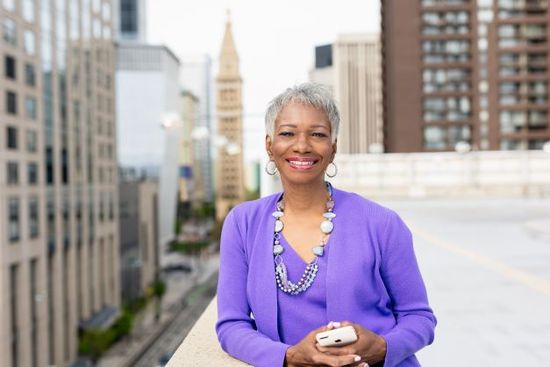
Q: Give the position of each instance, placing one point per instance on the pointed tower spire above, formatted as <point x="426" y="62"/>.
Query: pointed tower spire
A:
<point x="229" y="59"/>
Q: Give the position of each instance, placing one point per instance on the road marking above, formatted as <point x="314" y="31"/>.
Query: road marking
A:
<point x="529" y="280"/>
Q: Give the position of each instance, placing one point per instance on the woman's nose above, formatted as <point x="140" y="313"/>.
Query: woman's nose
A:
<point x="302" y="143"/>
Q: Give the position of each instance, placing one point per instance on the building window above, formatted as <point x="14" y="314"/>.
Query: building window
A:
<point x="30" y="75"/>
<point x="9" y="31"/>
<point x="29" y="42"/>
<point x="14" y="319"/>
<point x="34" y="221"/>
<point x="510" y="144"/>
<point x="28" y="10"/>
<point x="13" y="219"/>
<point x="49" y="165"/>
<point x="434" y="137"/>
<point x="30" y="107"/>
<point x="10" y="68"/>
<point x="12" y="173"/>
<point x="32" y="173"/>
<point x="31" y="141"/>
<point x="129" y="16"/>
<point x="34" y="318"/>
<point x="11" y="138"/>
<point x="11" y="102"/>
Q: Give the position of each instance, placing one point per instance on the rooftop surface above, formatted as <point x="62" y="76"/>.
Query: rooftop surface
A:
<point x="486" y="264"/>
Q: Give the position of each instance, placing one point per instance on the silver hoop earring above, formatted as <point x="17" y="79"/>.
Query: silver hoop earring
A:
<point x="271" y="167"/>
<point x="331" y="175"/>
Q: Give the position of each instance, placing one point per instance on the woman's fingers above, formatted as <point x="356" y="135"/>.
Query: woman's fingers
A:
<point x="335" y="361"/>
<point x="336" y="351"/>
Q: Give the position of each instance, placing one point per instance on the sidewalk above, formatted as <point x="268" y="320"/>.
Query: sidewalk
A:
<point x="145" y="328"/>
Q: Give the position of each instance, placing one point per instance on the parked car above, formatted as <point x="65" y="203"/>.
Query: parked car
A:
<point x="164" y="359"/>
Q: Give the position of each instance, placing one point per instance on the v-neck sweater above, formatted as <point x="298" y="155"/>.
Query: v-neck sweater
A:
<point x="372" y="279"/>
<point x="309" y="308"/>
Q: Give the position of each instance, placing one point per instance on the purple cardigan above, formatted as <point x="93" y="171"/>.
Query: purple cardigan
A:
<point x="372" y="279"/>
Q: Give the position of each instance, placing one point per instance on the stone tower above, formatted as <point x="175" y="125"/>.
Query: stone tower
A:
<point x="229" y="168"/>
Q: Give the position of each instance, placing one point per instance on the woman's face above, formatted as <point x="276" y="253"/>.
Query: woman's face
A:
<point x="302" y="144"/>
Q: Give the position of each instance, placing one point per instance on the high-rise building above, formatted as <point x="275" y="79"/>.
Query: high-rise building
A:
<point x="139" y="250"/>
<point x="323" y="72"/>
<point x="191" y="178"/>
<point x="351" y="68"/>
<point x="229" y="171"/>
<point x="196" y="77"/>
<point x="465" y="71"/>
<point x="358" y="92"/>
<point x="140" y="111"/>
<point x="148" y="106"/>
<point x="59" y="246"/>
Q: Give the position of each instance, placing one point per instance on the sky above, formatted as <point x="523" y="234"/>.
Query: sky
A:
<point x="275" y="40"/>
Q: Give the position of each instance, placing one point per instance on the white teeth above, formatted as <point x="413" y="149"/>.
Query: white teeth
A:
<point x="300" y="163"/>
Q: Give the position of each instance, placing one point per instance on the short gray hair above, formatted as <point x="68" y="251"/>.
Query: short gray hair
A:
<point x="310" y="94"/>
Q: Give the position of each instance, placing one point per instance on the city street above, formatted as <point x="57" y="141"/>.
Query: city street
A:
<point x="486" y="264"/>
<point x="150" y="339"/>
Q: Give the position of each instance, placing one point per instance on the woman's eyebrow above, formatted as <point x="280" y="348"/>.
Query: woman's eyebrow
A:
<point x="319" y="125"/>
<point x="311" y="127"/>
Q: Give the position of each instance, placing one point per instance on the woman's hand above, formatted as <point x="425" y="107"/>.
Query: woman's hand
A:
<point x="369" y="346"/>
<point x="305" y="353"/>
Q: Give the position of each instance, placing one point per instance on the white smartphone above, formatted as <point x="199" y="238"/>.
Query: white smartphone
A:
<point x="336" y="337"/>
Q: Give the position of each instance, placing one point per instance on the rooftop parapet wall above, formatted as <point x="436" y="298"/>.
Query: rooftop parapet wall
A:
<point x="201" y="346"/>
<point x="489" y="173"/>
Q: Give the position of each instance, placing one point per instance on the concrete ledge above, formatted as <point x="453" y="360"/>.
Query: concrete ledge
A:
<point x="201" y="346"/>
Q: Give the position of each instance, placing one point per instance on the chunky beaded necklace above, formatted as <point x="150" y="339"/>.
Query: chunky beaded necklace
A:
<point x="311" y="269"/>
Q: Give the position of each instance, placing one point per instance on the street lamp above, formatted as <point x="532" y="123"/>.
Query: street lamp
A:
<point x="170" y="120"/>
<point x="200" y="133"/>
<point x="463" y="147"/>
<point x="232" y="148"/>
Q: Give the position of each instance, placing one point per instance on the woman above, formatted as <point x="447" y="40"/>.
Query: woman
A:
<point x="294" y="261"/>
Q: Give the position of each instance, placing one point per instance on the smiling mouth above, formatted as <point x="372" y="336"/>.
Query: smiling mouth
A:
<point x="301" y="164"/>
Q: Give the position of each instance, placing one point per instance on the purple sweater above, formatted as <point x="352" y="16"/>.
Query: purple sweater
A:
<point x="372" y="278"/>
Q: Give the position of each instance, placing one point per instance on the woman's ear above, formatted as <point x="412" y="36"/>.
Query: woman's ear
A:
<point x="268" y="143"/>
<point x="334" y="148"/>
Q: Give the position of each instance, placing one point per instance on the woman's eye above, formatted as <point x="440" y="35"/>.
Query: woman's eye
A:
<point x="286" y="133"/>
<point x="321" y="135"/>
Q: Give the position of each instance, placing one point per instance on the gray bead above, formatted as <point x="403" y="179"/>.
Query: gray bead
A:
<point x="326" y="226"/>
<point x="318" y="250"/>
<point x="329" y="215"/>
<point x="278" y="249"/>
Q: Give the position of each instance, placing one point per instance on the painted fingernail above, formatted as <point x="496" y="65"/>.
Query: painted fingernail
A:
<point x="364" y="364"/>
<point x="357" y="358"/>
<point x="336" y="324"/>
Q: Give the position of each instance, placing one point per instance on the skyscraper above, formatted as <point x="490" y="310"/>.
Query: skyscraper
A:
<point x="229" y="170"/>
<point x="358" y="91"/>
<point x="323" y="72"/>
<point x="196" y="77"/>
<point x="59" y="252"/>
<point x="148" y="106"/>
<point x="462" y="70"/>
<point x="351" y="69"/>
